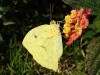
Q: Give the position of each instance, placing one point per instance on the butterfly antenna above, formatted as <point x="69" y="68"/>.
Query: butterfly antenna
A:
<point x="51" y="10"/>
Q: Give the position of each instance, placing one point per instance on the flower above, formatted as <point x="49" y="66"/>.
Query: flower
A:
<point x="84" y="23"/>
<point x="68" y="19"/>
<point x="75" y="34"/>
<point x="67" y="29"/>
<point x="80" y="12"/>
<point x="75" y="23"/>
<point x="86" y="13"/>
<point x="73" y="13"/>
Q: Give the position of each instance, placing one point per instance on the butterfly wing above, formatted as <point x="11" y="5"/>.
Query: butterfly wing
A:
<point x="45" y="44"/>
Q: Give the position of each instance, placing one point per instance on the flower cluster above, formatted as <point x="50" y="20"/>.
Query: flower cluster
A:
<point x="75" y="23"/>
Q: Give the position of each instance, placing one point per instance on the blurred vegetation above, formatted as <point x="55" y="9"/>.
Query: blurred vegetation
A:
<point x="17" y="17"/>
<point x="93" y="57"/>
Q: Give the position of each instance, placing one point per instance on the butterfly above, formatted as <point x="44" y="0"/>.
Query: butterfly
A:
<point x="44" y="43"/>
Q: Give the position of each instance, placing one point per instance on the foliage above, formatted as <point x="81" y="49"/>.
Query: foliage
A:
<point x="94" y="4"/>
<point x="93" y="57"/>
<point x="17" y="17"/>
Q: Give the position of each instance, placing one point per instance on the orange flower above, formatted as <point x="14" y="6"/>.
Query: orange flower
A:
<point x="75" y="23"/>
<point x="72" y="38"/>
<point x="79" y="12"/>
<point x="75" y="35"/>
<point x="84" y="23"/>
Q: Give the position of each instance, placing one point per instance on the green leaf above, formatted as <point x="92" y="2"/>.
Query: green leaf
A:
<point x="80" y="65"/>
<point x="93" y="57"/>
<point x="97" y="25"/>
<point x="88" y="34"/>
<point x="94" y="4"/>
<point x="77" y="73"/>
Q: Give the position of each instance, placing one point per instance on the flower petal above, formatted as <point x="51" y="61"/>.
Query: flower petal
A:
<point x="86" y="13"/>
<point x="73" y="13"/>
<point x="79" y="12"/>
<point x="84" y="23"/>
<point x="70" y="41"/>
<point x="68" y="19"/>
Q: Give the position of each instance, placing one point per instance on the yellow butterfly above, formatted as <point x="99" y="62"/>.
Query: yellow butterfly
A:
<point x="44" y="43"/>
